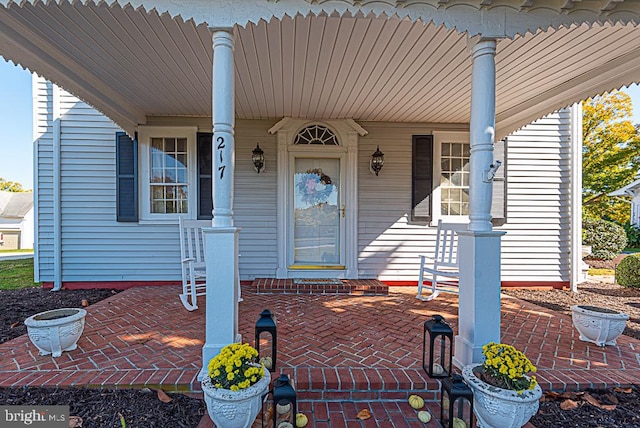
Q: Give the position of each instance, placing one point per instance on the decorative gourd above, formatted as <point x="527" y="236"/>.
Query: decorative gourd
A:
<point x="459" y="423"/>
<point x="416" y="402"/>
<point x="281" y="409"/>
<point x="445" y="403"/>
<point x="285" y="425"/>
<point x="437" y="369"/>
<point x="267" y="362"/>
<point x="424" y="416"/>
<point x="301" y="420"/>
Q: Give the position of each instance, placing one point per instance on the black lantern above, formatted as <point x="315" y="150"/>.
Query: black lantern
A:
<point x="438" y="364"/>
<point x="257" y="157"/>
<point x="456" y="402"/>
<point x="284" y="402"/>
<point x="377" y="161"/>
<point x="267" y="323"/>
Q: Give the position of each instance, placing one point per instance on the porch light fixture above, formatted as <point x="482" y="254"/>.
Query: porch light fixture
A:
<point x="267" y="324"/>
<point x="284" y="402"/>
<point x="377" y="161"/>
<point x="257" y="157"/>
<point x="437" y="364"/>
<point x="456" y="403"/>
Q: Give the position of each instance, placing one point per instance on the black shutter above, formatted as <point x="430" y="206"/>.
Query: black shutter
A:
<point x="422" y="178"/>
<point x="499" y="201"/>
<point x="205" y="183"/>
<point x="126" y="178"/>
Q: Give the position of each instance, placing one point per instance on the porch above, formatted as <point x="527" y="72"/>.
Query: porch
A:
<point x="343" y="351"/>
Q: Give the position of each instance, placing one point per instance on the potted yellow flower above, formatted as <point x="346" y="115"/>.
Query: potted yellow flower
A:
<point x="234" y="386"/>
<point x="506" y="393"/>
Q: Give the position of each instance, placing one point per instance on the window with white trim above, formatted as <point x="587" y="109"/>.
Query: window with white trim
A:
<point x="454" y="178"/>
<point x="168" y="178"/>
<point x="440" y="178"/>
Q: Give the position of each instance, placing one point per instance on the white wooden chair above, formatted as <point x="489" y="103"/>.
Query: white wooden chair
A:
<point x="193" y="261"/>
<point x="443" y="267"/>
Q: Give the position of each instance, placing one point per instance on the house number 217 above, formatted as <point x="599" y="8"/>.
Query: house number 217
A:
<point x="222" y="166"/>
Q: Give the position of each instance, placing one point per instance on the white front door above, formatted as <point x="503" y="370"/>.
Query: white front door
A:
<point x="317" y="198"/>
<point x="317" y="218"/>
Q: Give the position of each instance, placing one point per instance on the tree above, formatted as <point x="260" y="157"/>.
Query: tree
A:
<point x="10" y="186"/>
<point x="610" y="155"/>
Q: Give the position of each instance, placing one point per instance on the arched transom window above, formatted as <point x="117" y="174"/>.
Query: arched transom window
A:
<point x="318" y="135"/>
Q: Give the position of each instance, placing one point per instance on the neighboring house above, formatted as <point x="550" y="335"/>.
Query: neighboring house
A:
<point x="633" y="190"/>
<point x="16" y="220"/>
<point x="369" y="227"/>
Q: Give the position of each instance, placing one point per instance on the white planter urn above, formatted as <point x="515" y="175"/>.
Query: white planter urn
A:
<point x="500" y="408"/>
<point x="235" y="409"/>
<point x="598" y="325"/>
<point x="56" y="331"/>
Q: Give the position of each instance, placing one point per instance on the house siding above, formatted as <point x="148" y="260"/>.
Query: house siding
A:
<point x="97" y="248"/>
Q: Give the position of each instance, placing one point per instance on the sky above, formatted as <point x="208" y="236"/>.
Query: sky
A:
<point x="16" y="143"/>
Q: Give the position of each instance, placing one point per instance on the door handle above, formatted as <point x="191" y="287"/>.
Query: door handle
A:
<point x="342" y="210"/>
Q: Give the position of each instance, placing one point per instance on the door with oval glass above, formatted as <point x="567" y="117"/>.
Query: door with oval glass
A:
<point x="318" y="214"/>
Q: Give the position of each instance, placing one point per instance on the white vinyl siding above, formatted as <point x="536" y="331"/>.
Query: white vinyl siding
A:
<point x="95" y="247"/>
<point x="536" y="246"/>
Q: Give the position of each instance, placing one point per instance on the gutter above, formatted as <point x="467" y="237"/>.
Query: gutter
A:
<point x="36" y="182"/>
<point x="57" y="226"/>
<point x="576" y="196"/>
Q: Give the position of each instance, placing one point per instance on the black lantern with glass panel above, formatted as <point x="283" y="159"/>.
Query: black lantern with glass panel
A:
<point x="267" y="324"/>
<point x="456" y="403"/>
<point x="377" y="161"/>
<point x="257" y="157"/>
<point x="437" y="364"/>
<point x="284" y="402"/>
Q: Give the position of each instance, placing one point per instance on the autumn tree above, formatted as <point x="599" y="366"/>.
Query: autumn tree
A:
<point x="10" y="186"/>
<point x="610" y="155"/>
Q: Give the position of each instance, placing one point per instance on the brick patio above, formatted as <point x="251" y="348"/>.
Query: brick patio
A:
<point x="344" y="351"/>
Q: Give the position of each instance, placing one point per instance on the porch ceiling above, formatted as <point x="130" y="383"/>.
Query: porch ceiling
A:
<point x="131" y="64"/>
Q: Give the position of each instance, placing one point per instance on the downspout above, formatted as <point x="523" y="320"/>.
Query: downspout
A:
<point x="576" y="197"/>
<point x="36" y="182"/>
<point x="57" y="253"/>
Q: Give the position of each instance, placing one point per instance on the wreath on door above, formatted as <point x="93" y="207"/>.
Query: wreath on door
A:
<point x="314" y="186"/>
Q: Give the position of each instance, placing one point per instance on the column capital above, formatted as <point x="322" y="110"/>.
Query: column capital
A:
<point x="223" y="37"/>
<point x="484" y="46"/>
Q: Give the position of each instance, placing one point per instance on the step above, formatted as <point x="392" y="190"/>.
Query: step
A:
<point x="360" y="287"/>
<point x="362" y="384"/>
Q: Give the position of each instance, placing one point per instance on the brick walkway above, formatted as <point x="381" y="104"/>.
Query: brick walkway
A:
<point x="343" y="351"/>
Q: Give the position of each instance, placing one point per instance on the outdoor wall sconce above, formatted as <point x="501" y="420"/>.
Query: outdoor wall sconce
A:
<point x="440" y="335"/>
<point x="267" y="324"/>
<point x="456" y="398"/>
<point x="257" y="157"/>
<point x="284" y="402"/>
<point x="377" y="161"/>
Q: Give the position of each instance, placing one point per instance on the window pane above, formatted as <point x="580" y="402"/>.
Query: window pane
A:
<point x="182" y="145"/>
<point x="454" y="178"/>
<point x="169" y="167"/>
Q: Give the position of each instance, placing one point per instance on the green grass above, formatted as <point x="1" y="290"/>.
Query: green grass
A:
<point x="600" y="272"/>
<point x="15" y="274"/>
<point x="632" y="250"/>
<point x="16" y="251"/>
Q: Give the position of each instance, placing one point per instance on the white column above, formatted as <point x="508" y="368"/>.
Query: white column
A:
<point x="221" y="240"/>
<point x="479" y="247"/>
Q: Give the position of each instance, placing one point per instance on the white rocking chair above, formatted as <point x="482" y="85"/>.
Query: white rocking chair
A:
<point x="443" y="267"/>
<point x="193" y="261"/>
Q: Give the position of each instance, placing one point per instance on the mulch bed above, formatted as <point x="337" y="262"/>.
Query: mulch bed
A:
<point x="97" y="408"/>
